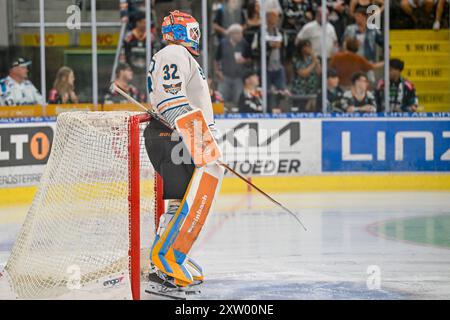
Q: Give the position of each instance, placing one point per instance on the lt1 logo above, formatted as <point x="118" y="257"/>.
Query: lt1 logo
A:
<point x="25" y="146"/>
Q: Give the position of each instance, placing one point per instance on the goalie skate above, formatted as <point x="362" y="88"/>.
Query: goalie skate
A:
<point x="164" y="286"/>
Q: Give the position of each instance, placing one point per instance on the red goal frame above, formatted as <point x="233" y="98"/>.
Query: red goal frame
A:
<point x="134" y="252"/>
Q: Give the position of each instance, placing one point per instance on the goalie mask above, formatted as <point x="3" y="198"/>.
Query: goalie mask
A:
<point x="182" y="28"/>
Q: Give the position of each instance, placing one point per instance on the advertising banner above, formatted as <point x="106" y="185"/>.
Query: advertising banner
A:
<point x="287" y="145"/>
<point x="24" y="151"/>
<point x="395" y="146"/>
<point x="262" y="147"/>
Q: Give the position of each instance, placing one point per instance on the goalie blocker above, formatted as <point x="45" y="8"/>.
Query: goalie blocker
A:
<point x="196" y="182"/>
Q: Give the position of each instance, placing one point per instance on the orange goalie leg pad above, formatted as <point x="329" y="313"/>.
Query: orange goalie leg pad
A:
<point x="169" y="251"/>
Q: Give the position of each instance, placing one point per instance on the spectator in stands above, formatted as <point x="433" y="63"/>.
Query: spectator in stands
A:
<point x="129" y="9"/>
<point x="134" y="49"/>
<point x="368" y="38"/>
<point x="16" y="89"/>
<point x="134" y="46"/>
<point x="334" y="93"/>
<point x="251" y="98"/>
<point x="307" y="73"/>
<point x="349" y="62"/>
<point x="408" y="7"/>
<point x="216" y="96"/>
<point x="232" y="58"/>
<point x="276" y="74"/>
<point x="364" y="4"/>
<point x="359" y="98"/>
<point x="438" y="15"/>
<point x="124" y="76"/>
<point x="296" y="14"/>
<point x="231" y="13"/>
<point x="253" y="21"/>
<point x="402" y="94"/>
<point x="312" y="31"/>
<point x="63" y="90"/>
<point x="338" y="18"/>
<point x="273" y="5"/>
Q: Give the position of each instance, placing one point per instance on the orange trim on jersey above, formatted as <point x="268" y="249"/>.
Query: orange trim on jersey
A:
<point x="172" y="103"/>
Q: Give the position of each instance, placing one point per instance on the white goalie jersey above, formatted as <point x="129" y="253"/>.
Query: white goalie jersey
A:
<point x="177" y="84"/>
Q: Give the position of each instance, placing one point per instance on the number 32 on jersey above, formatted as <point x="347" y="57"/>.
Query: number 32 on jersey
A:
<point x="170" y="72"/>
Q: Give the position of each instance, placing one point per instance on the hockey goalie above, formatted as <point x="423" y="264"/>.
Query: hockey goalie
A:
<point x="185" y="157"/>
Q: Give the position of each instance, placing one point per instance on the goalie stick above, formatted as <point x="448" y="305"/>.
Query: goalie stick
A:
<point x="155" y="116"/>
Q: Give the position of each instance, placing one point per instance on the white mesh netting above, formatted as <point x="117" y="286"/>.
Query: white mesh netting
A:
<point x="77" y="230"/>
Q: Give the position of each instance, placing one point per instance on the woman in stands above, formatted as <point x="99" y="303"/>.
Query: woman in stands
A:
<point x="307" y="72"/>
<point x="253" y="22"/>
<point x="63" y="90"/>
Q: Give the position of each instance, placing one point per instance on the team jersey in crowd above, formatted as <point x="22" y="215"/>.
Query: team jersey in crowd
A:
<point x="176" y="82"/>
<point x="295" y="14"/>
<point x="251" y="102"/>
<point x="335" y="98"/>
<point x="13" y="93"/>
<point x="402" y="95"/>
<point x="348" y="100"/>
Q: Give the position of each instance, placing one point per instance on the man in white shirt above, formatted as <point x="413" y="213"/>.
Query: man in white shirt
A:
<point x="16" y="89"/>
<point x="312" y="31"/>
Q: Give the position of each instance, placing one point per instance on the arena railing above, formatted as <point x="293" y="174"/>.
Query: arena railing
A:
<point x="53" y="110"/>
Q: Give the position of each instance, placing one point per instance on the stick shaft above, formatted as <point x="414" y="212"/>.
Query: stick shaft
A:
<point x="260" y="191"/>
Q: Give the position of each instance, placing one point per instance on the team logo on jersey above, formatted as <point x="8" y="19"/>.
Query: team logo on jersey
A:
<point x="172" y="88"/>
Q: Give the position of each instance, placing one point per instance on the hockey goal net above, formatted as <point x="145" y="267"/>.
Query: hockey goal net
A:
<point x="97" y="202"/>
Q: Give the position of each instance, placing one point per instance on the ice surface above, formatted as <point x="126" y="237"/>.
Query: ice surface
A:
<point x="249" y="249"/>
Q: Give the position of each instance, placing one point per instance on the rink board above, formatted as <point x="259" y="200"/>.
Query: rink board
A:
<point x="282" y="153"/>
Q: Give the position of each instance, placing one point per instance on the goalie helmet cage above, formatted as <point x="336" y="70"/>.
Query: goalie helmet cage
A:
<point x="97" y="198"/>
